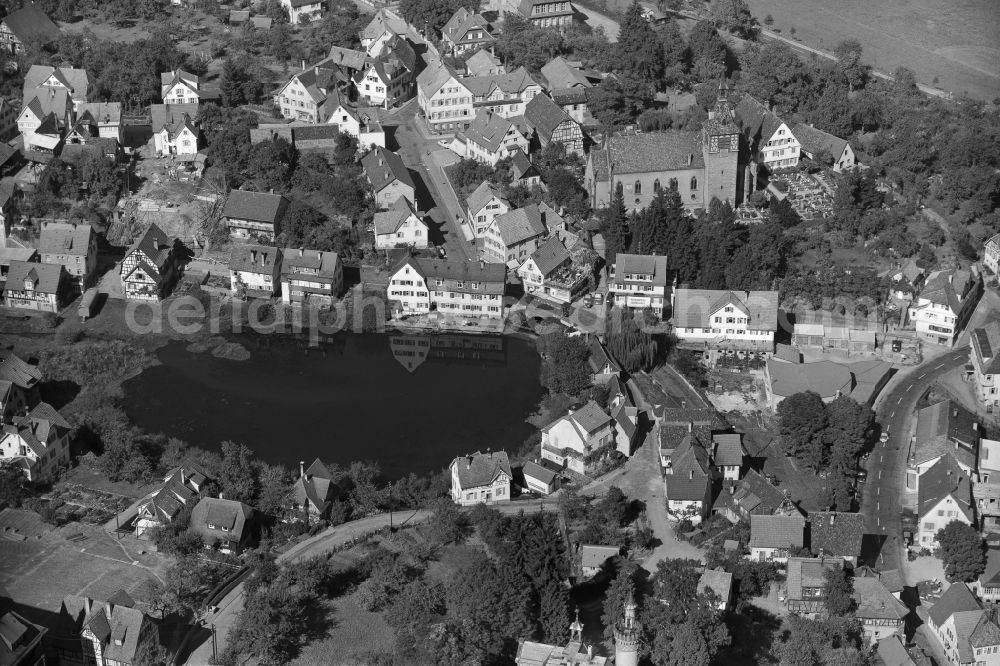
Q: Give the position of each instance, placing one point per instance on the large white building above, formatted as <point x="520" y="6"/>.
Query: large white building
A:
<point x="985" y="355"/>
<point x="944" y="496"/>
<point x="726" y="322"/>
<point x="944" y="305"/>
<point x="480" y="478"/>
<point x="37" y="442"/>
<point x="444" y="100"/>
<point x="464" y="289"/>
<point x="641" y="281"/>
<point x="484" y="205"/>
<point x="991" y="255"/>
<point x="514" y="235"/>
<point x="400" y="226"/>
<point x="772" y="142"/>
<point x="571" y="440"/>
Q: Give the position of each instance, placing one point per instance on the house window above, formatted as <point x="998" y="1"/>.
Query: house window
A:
<point x="656" y="185"/>
<point x="673" y="183"/>
<point x="638" y="187"/>
<point x="694" y="182"/>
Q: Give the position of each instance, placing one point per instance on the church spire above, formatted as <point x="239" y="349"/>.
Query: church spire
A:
<point x="576" y="629"/>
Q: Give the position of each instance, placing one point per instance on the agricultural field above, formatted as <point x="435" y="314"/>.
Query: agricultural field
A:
<point x="949" y="44"/>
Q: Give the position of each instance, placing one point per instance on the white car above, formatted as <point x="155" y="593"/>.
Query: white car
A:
<point x="884" y="437"/>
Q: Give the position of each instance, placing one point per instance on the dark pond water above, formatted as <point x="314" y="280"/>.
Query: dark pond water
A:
<point x="412" y="403"/>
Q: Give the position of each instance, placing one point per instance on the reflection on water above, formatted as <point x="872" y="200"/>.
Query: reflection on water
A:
<point x="348" y="397"/>
<point x="412" y="350"/>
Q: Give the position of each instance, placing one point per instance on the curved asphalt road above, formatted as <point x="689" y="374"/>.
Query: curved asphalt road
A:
<point x="887" y="464"/>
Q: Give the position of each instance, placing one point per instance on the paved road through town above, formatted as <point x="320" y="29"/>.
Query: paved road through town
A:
<point x="886" y="466"/>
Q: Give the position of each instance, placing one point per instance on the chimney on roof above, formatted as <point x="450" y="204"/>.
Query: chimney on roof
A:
<point x="690" y="426"/>
<point x="732" y="488"/>
<point x="221" y="495"/>
<point x="832" y="516"/>
<point x="691" y="475"/>
<point x="468" y="461"/>
<point x="302" y="469"/>
<point x="253" y="256"/>
<point x="302" y="251"/>
<point x="303" y="65"/>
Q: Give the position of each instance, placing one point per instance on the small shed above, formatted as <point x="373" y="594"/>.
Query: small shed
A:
<point x="88" y="304"/>
<point x="539" y="478"/>
<point x="592" y="558"/>
<point x="808" y="335"/>
<point x="861" y="342"/>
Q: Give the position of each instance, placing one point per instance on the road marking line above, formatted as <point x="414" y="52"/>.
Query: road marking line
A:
<point x="878" y="491"/>
<point x="908" y="388"/>
<point x="880" y="474"/>
<point x="893" y="415"/>
<point x="899" y="400"/>
<point x="878" y="506"/>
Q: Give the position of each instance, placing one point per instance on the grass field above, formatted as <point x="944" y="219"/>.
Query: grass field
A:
<point x="956" y="42"/>
<point x="355" y="634"/>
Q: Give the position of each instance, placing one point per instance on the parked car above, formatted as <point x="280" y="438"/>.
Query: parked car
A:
<point x="588" y="301"/>
<point x="897" y="345"/>
<point x="862" y="475"/>
<point x="442" y="252"/>
<point x="598" y="298"/>
<point x="884" y="437"/>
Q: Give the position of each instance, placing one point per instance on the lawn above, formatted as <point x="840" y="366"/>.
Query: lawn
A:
<point x="354" y="633"/>
<point x="950" y="45"/>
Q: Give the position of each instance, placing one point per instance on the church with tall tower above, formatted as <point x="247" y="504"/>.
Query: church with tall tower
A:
<point x="701" y="165"/>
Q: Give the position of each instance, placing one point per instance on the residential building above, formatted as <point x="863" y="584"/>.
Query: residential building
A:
<point x="991" y="254"/>
<point x="9" y="254"/>
<point x="459" y="288"/>
<point x="147" y="266"/>
<point x="313" y="492"/>
<point x="179" y="87"/>
<point x="688" y="479"/>
<point x="719" y="583"/>
<point x="74" y="246"/>
<point x="626" y="417"/>
<point x="111" y="633"/>
<point x="524" y="172"/>
<point x="514" y="235"/>
<point x="465" y="32"/>
<point x="944" y="429"/>
<point x="891" y="579"/>
<point x="302" y="11"/>
<point x="675" y="424"/>
<point x="752" y="495"/>
<point x="825" y="148"/>
<point x="568" y="85"/>
<point x="174" y="129"/>
<point x="483" y="63"/>
<point x="44" y="117"/>
<point x="987" y="586"/>
<point x="774" y="537"/>
<point x="594" y="557"/>
<point x="9" y="108"/>
<point x="772" y="143"/>
<point x="314" y="93"/>
<point x="641" y="281"/>
<point x="400" y="226"/>
<point x="251" y="215"/>
<point x="700" y="166"/>
<point x="182" y="487"/>
<point x="506" y="94"/>
<point x="97" y="120"/>
<point x="362" y="124"/>
<point x="548" y="13"/>
<point x="254" y="271"/>
<point x="944" y="496"/>
<point x="37" y="442"/>
<point x="388" y="176"/>
<point x="385" y="25"/>
<point x="553" y="125"/>
<point x="308" y="137"/>
<point x="726" y="323"/>
<point x="986" y="490"/>
<point x="21" y="641"/>
<point x="836" y="534"/>
<point x="604" y="369"/>
<point x="805" y="584"/>
<point x="351" y="61"/>
<point x="34" y="286"/>
<point x="540" y="479"/>
<point x="573" y="441"/>
<point x="541" y="264"/>
<point x="41" y="78"/>
<point x="945" y="304"/>
<point x="484" y="205"/>
<point x="225" y="524"/>
<point x="27" y="25"/>
<point x="311" y="277"/>
<point x="481" y="478"/>
<point x="985" y="356"/>
<point x="728" y="454"/>
<point x="388" y="80"/>
<point x="490" y="138"/>
<point x="19" y="387"/>
<point x="444" y="99"/>
<point x="966" y="631"/>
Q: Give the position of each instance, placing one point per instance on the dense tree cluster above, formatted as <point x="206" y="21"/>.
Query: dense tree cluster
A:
<point x="831" y="642"/>
<point x="826" y="435"/>
<point x="564" y="365"/>
<point x="87" y="182"/>
<point x="962" y="550"/>
<point x="711" y="252"/>
<point x="431" y="15"/>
